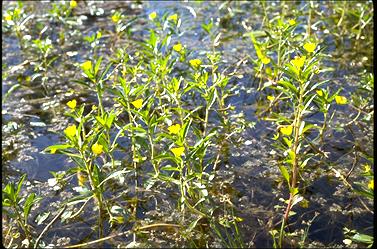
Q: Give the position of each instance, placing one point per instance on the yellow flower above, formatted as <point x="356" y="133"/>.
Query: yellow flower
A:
<point x="70" y="131"/>
<point x="265" y="60"/>
<point x="152" y="15"/>
<point x="87" y="65"/>
<point x="99" y="34"/>
<point x="72" y="104"/>
<point x="17" y="11"/>
<point x="367" y="168"/>
<point x="7" y="17"/>
<point x="298" y="62"/>
<point x="178" y="151"/>
<point x="173" y="17"/>
<point x="340" y="100"/>
<point x="97" y="148"/>
<point x="310" y="47"/>
<point x="94" y="107"/>
<point x="53" y="151"/>
<point x="177" y="47"/>
<point x="319" y="92"/>
<point x="286" y="130"/>
<point x="292" y="22"/>
<point x="137" y="103"/>
<point x="371" y="184"/>
<point x="195" y="63"/>
<point x="174" y="129"/>
<point x="73" y="4"/>
<point x="115" y="18"/>
<point x="270" y="98"/>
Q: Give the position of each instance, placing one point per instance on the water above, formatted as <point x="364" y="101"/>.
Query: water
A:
<point x="40" y="118"/>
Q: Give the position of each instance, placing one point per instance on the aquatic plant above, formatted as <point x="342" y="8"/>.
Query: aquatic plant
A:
<point x="151" y="125"/>
<point x="17" y="210"/>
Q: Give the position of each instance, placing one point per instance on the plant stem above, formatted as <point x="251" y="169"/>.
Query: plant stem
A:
<point x="297" y="124"/>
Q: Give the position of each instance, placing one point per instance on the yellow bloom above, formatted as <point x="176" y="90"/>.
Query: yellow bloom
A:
<point x="152" y="15"/>
<point x="7" y="17"/>
<point x="367" y="168"/>
<point x="97" y="148"/>
<point x="177" y="47"/>
<point x="70" y="131"/>
<point x="87" y="65"/>
<point x="53" y="151"/>
<point x="94" y="107"/>
<point x="270" y="98"/>
<point x="173" y="17"/>
<point x="195" y="63"/>
<point x="310" y="47"/>
<point x="340" y="100"/>
<point x="17" y="11"/>
<point x="319" y="92"/>
<point x="73" y="4"/>
<point x="286" y="130"/>
<point x="99" y="34"/>
<point x="174" y="129"/>
<point x="371" y="184"/>
<point x="292" y="22"/>
<point x="72" y="104"/>
<point x="137" y="103"/>
<point x="298" y="62"/>
<point x="265" y="60"/>
<point x="178" y="151"/>
<point x="115" y="18"/>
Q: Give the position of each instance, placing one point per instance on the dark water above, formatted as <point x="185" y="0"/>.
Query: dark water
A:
<point x="252" y="168"/>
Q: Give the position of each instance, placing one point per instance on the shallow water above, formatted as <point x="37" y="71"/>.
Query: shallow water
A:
<point x="40" y="119"/>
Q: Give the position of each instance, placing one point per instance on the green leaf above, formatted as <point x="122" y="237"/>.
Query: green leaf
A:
<point x="168" y="179"/>
<point x="362" y="238"/>
<point x="288" y="85"/>
<point x="285" y="173"/>
<point x="170" y="168"/>
<point x="42" y="217"/>
<point x="28" y="204"/>
<point x="104" y="72"/>
<point x="296" y="198"/>
<point x="113" y="175"/>
<point x="101" y="121"/>
<point x="19" y="185"/>
<point x="185" y="128"/>
<point x="58" y="147"/>
<point x="193" y="224"/>
<point x="98" y="64"/>
<point x="14" y="87"/>
<point x="110" y="119"/>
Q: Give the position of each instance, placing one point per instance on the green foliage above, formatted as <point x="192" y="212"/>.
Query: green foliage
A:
<point x="17" y="208"/>
<point x="162" y="116"/>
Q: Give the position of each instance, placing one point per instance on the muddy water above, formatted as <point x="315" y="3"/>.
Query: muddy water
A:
<point x="33" y="120"/>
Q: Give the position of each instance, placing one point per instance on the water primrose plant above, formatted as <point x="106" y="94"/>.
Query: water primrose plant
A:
<point x="15" y="20"/>
<point x="148" y="111"/>
<point x="17" y="210"/>
<point x="292" y="76"/>
<point x="160" y="128"/>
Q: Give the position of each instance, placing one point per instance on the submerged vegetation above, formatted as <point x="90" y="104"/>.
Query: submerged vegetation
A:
<point x="190" y="124"/>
